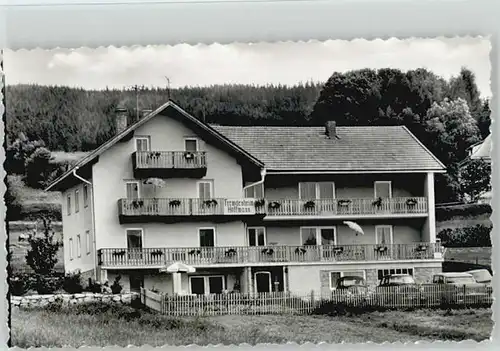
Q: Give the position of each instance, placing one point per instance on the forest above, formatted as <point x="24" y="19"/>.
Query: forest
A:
<point x="447" y="115"/>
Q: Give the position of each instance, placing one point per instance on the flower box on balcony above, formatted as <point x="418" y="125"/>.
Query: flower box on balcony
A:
<point x="194" y="252"/>
<point x="174" y="203"/>
<point x="300" y="250"/>
<point x="156" y="253"/>
<point x="260" y="203"/>
<point x="120" y="253"/>
<point x="344" y="202"/>
<point x="411" y="202"/>
<point x="377" y="202"/>
<point x="230" y="253"/>
<point x="268" y="251"/>
<point x="422" y="248"/>
<point x="274" y="205"/>
<point x="210" y="203"/>
<point x="137" y="203"/>
<point x="189" y="156"/>
<point x="309" y="205"/>
<point x="381" y="249"/>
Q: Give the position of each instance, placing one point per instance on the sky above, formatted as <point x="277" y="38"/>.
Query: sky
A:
<point x="259" y="63"/>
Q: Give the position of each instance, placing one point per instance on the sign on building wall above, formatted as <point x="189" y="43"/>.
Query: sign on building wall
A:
<point x="239" y="207"/>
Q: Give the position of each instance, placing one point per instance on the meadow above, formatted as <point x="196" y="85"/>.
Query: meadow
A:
<point x="123" y="326"/>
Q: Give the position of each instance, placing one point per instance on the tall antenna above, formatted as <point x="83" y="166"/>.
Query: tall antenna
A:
<point x="168" y="87"/>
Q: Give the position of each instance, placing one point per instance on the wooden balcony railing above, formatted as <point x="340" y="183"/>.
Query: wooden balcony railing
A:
<point x="346" y="207"/>
<point x="187" y="207"/>
<point x="154" y="257"/>
<point x="170" y="159"/>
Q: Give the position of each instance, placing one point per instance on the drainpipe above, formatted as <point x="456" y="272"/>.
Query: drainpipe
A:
<point x="92" y="215"/>
<point x="262" y="178"/>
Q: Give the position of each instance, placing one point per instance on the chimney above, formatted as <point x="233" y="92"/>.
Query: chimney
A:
<point x="121" y="118"/>
<point x="330" y="129"/>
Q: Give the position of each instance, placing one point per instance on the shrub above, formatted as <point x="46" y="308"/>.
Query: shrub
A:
<point x="42" y="254"/>
<point x="46" y="285"/>
<point x="93" y="287"/>
<point x="72" y="283"/>
<point x="116" y="287"/>
<point x="478" y="236"/>
<point x="33" y="211"/>
<point x="18" y="286"/>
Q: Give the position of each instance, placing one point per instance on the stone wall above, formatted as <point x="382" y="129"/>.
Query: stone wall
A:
<point x="70" y="299"/>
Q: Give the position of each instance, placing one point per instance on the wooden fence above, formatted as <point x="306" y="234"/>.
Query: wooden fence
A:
<point x="422" y="296"/>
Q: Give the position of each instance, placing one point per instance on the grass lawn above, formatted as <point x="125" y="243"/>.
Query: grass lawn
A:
<point x="36" y="328"/>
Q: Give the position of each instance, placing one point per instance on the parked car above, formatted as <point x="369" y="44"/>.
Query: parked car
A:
<point x="460" y="288"/>
<point x="482" y="276"/>
<point x="398" y="290"/>
<point x="352" y="286"/>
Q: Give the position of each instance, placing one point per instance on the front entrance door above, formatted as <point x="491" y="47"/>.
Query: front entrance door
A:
<point x="263" y="282"/>
<point x="136" y="282"/>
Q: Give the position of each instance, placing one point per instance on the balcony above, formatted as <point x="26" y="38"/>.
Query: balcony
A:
<point x="173" y="210"/>
<point x="169" y="164"/>
<point x="269" y="255"/>
<point x="347" y="208"/>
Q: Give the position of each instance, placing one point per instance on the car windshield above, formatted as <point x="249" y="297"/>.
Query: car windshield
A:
<point x="481" y="276"/>
<point x="403" y="279"/>
<point x="460" y="280"/>
<point x="351" y="281"/>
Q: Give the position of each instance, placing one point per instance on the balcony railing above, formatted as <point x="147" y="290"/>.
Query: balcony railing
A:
<point x="155" y="257"/>
<point x="347" y="207"/>
<point x="187" y="207"/>
<point x="169" y="163"/>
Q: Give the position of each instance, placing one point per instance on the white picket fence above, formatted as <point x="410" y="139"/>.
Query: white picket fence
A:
<point x="424" y="296"/>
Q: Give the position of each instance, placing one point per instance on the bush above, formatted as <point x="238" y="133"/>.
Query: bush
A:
<point x="478" y="236"/>
<point x="34" y="211"/>
<point x="18" y="286"/>
<point x="38" y="168"/>
<point x="116" y="287"/>
<point x="46" y="285"/>
<point x="72" y="283"/>
<point x="93" y="287"/>
<point x="448" y="212"/>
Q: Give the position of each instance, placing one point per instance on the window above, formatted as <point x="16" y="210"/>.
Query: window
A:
<point x="207" y="237"/>
<point x="255" y="192"/>
<point x="383" y="234"/>
<point x="335" y="276"/>
<point x="141" y="144"/>
<point x="78" y="246"/>
<point x="77" y="201"/>
<point x="68" y="204"/>
<point x="212" y="284"/>
<point x="132" y="189"/>
<point x="205" y="190"/>
<point x="87" y="241"/>
<point x="317" y="235"/>
<point x="256" y="236"/>
<point x="383" y="272"/>
<point x="70" y="248"/>
<point x="190" y="144"/>
<point x="383" y="189"/>
<point x="85" y="195"/>
<point x="316" y="190"/>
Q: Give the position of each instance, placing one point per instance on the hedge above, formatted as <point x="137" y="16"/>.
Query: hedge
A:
<point x="478" y="236"/>
<point x="35" y="211"/>
<point x="448" y="212"/>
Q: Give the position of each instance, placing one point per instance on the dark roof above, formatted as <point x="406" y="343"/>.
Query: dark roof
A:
<point x="388" y="148"/>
